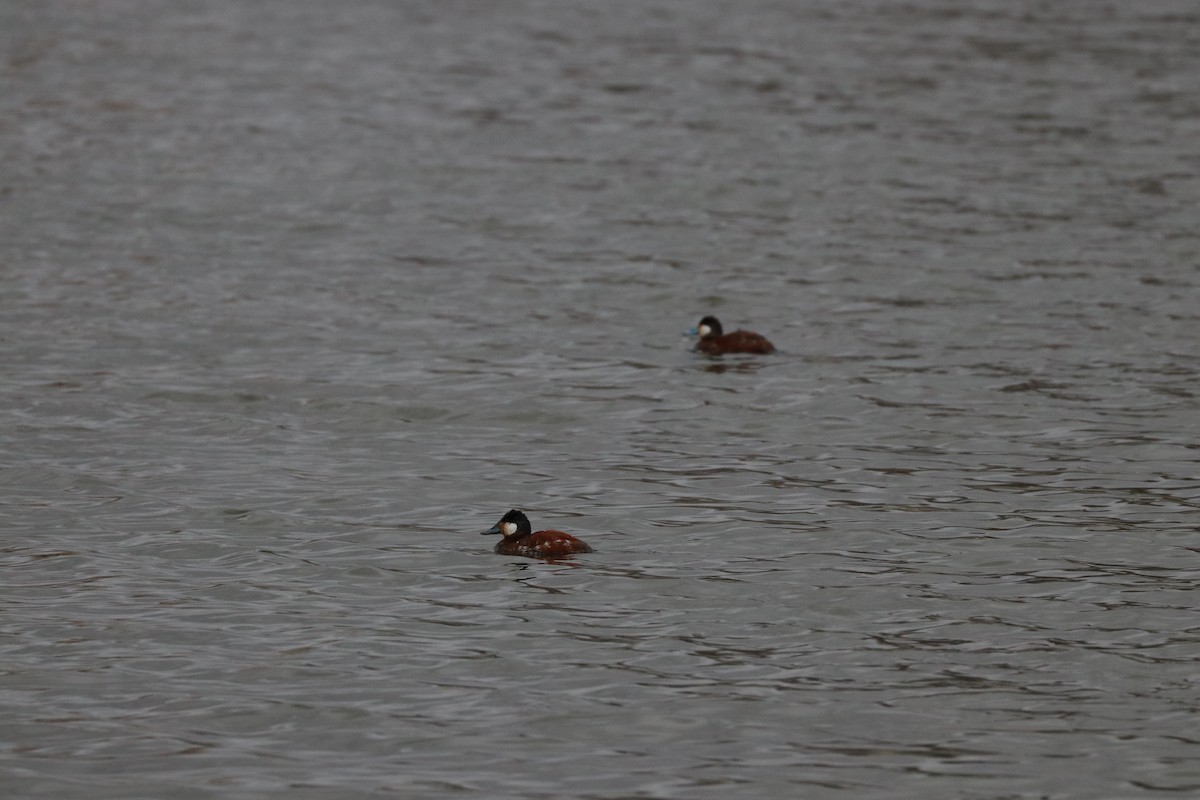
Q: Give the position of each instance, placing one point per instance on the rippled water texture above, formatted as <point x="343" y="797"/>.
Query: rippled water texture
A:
<point x="296" y="298"/>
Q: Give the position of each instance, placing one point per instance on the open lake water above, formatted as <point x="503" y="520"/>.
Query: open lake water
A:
<point x="297" y="297"/>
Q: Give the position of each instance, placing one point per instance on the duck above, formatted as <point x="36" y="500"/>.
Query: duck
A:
<point x="521" y="540"/>
<point x="715" y="342"/>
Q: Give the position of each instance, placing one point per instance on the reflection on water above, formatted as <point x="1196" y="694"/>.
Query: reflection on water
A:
<point x="291" y="302"/>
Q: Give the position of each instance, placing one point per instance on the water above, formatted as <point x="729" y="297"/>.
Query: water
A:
<point x="294" y="301"/>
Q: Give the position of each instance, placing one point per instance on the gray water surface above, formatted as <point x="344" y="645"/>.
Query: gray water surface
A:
<point x="296" y="299"/>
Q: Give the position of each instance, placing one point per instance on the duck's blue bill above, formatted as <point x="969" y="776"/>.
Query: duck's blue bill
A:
<point x="494" y="529"/>
<point x="691" y="332"/>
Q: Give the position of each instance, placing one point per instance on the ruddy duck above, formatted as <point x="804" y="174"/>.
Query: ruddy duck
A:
<point x="716" y="343"/>
<point x="521" y="540"/>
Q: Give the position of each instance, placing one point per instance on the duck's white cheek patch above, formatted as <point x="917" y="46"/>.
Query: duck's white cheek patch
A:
<point x="704" y="330"/>
<point x="508" y="528"/>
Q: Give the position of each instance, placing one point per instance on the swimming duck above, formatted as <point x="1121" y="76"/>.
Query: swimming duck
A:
<point x="715" y="342"/>
<point x="521" y="540"/>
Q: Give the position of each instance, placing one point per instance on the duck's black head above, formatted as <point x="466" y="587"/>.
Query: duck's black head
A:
<point x="514" y="523"/>
<point x="709" y="326"/>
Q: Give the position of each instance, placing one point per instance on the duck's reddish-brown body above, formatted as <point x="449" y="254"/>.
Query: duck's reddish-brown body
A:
<point x="715" y="342"/>
<point x="735" y="342"/>
<point x="542" y="544"/>
<point x="520" y="540"/>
